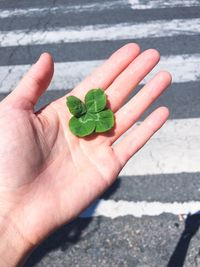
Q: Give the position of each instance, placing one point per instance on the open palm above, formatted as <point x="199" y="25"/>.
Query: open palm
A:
<point x="48" y="175"/>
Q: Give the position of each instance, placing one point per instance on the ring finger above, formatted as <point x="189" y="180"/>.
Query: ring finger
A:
<point x="132" y="111"/>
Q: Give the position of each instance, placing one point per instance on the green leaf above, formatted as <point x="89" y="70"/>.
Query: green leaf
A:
<point x="104" y="121"/>
<point x="82" y="126"/>
<point x="95" y="100"/>
<point x="91" y="116"/>
<point x="76" y="106"/>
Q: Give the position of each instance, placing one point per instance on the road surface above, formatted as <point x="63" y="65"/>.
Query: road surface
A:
<point x="139" y="222"/>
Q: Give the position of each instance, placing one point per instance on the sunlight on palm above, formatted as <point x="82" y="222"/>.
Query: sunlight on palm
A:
<point x="61" y="174"/>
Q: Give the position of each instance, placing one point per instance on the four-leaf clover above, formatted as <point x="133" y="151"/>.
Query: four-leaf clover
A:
<point x="91" y="116"/>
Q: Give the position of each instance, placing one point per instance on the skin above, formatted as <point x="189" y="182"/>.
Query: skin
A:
<point x="48" y="175"/>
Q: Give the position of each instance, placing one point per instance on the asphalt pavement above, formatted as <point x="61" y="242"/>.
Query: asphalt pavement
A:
<point x="169" y="181"/>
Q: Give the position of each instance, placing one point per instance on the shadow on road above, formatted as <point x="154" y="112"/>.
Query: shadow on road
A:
<point x="71" y="233"/>
<point x="63" y="238"/>
<point x="192" y="224"/>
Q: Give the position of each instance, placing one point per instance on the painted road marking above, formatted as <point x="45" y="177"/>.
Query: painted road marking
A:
<point x="157" y="28"/>
<point x="113" y="209"/>
<point x="175" y="148"/>
<point x="184" y="68"/>
<point x="62" y="9"/>
<point x="106" y="5"/>
<point x="138" y="4"/>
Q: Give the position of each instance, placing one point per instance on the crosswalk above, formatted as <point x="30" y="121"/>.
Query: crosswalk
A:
<point x="80" y="35"/>
<point x="179" y="139"/>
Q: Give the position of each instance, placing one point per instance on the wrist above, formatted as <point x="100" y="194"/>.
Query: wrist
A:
<point x="14" y="249"/>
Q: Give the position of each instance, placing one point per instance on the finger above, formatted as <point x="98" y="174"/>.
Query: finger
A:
<point x="137" y="138"/>
<point x="121" y="88"/>
<point x="104" y="75"/>
<point x="133" y="110"/>
<point x="34" y="83"/>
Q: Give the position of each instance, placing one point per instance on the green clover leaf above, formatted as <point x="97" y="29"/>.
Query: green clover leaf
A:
<point x="95" y="100"/>
<point x="93" y="116"/>
<point x="76" y="106"/>
<point x="82" y="126"/>
<point x="104" y="121"/>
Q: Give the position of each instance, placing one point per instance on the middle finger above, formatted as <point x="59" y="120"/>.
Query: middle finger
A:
<point x="118" y="92"/>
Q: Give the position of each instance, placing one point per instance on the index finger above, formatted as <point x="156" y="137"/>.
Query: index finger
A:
<point x="106" y="73"/>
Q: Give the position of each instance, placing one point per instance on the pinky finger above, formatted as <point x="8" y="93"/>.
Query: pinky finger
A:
<point x="138" y="137"/>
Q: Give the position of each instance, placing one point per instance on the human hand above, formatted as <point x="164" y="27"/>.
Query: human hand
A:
<point x="48" y="175"/>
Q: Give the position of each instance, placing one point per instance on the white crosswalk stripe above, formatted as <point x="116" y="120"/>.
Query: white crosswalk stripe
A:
<point x="175" y="148"/>
<point x="114" y="209"/>
<point x="91" y="7"/>
<point x="137" y="4"/>
<point x="61" y="9"/>
<point x="184" y="68"/>
<point x="101" y="32"/>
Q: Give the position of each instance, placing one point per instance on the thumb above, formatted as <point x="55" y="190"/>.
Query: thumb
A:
<point x="34" y="83"/>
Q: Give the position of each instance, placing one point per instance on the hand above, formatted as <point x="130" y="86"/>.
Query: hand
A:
<point x="48" y="175"/>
